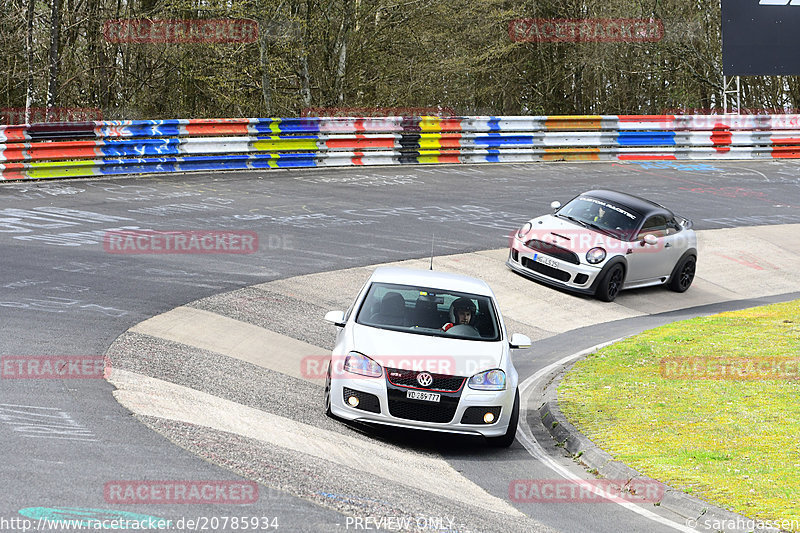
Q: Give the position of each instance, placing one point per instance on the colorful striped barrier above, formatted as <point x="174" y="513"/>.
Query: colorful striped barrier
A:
<point x="61" y="150"/>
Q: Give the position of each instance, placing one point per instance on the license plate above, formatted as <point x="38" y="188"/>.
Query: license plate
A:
<point x="426" y="396"/>
<point x="543" y="259"/>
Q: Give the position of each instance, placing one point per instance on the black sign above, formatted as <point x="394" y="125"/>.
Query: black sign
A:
<point x="760" y="37"/>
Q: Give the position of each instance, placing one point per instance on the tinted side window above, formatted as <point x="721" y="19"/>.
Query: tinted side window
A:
<point x="656" y="224"/>
<point x="673" y="227"/>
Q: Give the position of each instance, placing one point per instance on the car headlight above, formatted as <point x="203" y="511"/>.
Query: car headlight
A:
<point x="524" y="230"/>
<point x="358" y="363"/>
<point x="595" y="255"/>
<point x="489" y="380"/>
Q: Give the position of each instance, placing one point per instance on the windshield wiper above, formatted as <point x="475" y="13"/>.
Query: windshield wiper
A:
<point x="595" y="226"/>
<point x="573" y="219"/>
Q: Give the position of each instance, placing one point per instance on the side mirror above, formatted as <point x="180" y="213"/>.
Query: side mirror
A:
<point x="335" y="317"/>
<point x="650" y="239"/>
<point x="555" y="205"/>
<point x="518" y="340"/>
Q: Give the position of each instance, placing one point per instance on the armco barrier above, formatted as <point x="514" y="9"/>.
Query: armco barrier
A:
<point x="60" y="150"/>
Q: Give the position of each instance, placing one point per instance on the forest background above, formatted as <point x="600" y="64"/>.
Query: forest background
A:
<point x="455" y="56"/>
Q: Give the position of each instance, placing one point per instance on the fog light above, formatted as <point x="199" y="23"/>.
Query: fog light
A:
<point x="353" y="401"/>
<point x="488" y="418"/>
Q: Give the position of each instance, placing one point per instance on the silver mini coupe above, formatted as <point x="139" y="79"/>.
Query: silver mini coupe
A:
<point x="602" y="242"/>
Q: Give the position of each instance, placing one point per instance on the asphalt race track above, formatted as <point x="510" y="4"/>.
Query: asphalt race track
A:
<point x="64" y="294"/>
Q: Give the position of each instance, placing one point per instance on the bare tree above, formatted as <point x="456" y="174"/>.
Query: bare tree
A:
<point x="266" y="82"/>
<point x="29" y="62"/>
<point x="454" y="54"/>
<point x="54" y="60"/>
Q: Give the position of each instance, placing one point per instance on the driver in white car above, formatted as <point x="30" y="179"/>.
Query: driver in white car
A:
<point x="462" y="311"/>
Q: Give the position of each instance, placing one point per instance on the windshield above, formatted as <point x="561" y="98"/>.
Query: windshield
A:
<point x="427" y="311"/>
<point x="619" y="221"/>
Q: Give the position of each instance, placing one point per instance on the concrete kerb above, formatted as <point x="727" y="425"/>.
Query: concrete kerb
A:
<point x="603" y="464"/>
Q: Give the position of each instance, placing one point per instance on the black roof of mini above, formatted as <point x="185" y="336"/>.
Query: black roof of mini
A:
<point x="644" y="207"/>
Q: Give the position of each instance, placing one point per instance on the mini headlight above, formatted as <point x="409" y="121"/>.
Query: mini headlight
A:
<point x="489" y="380"/>
<point x="524" y="230"/>
<point x="358" y="363"/>
<point x="595" y="255"/>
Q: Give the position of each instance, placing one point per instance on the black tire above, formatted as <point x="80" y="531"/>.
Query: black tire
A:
<point x="507" y="439"/>
<point x="683" y="275"/>
<point x="611" y="283"/>
<point x="328" y="411"/>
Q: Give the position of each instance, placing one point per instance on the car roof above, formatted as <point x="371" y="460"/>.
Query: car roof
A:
<point x="433" y="279"/>
<point x="642" y="206"/>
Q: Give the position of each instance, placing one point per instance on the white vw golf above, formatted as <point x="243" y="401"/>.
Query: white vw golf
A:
<point x="425" y="350"/>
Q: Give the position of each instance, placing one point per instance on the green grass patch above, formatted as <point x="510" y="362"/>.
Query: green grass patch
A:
<point x="731" y="438"/>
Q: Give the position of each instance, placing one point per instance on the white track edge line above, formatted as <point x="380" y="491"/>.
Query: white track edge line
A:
<point x="526" y="438"/>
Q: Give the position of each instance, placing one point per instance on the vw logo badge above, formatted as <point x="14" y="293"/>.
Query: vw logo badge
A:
<point x="424" y="379"/>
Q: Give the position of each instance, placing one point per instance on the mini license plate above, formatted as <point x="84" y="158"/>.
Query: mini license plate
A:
<point x="543" y="259"/>
<point x="426" y="396"/>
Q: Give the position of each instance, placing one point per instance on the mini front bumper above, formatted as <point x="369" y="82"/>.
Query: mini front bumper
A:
<point x="580" y="278"/>
<point x="467" y="398"/>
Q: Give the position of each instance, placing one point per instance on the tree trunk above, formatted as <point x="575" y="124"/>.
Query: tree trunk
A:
<point x="305" y="81"/>
<point x="341" y="49"/>
<point x="96" y="53"/>
<point x="266" y="82"/>
<point x="55" y="37"/>
<point x="29" y="50"/>
<point x="305" y="77"/>
<point x="341" y="69"/>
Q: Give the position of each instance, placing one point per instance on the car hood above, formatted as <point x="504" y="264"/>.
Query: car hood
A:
<point x="555" y="230"/>
<point x="545" y="225"/>
<point x="410" y="351"/>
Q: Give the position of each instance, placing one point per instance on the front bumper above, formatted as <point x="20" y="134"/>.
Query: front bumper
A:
<point x="421" y="414"/>
<point x="580" y="278"/>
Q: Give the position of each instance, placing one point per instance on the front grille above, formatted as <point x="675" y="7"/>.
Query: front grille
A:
<point x="440" y="412"/>
<point x="553" y="250"/>
<point x="366" y="402"/>
<point x="408" y="378"/>
<point x="548" y="271"/>
<point x="474" y="415"/>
